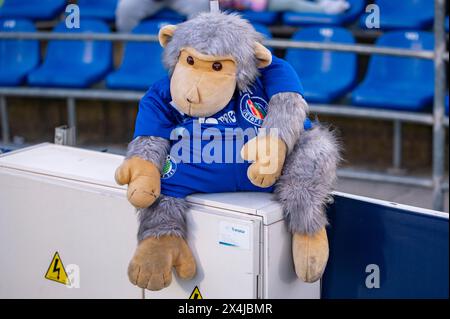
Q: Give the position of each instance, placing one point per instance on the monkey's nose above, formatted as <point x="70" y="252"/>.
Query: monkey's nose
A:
<point x="193" y="96"/>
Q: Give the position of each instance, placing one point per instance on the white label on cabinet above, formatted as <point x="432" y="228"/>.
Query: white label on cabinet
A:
<point x="234" y="235"/>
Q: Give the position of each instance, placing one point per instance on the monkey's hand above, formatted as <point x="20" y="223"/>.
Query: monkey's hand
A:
<point x="143" y="179"/>
<point x="268" y="154"/>
<point x="151" y="266"/>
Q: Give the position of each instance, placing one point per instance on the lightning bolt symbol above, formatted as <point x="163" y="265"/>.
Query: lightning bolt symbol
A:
<point x="56" y="267"/>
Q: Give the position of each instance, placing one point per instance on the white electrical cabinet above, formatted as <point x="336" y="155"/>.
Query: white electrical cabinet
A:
<point x="63" y="199"/>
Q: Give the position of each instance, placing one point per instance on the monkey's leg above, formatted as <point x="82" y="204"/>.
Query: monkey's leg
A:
<point x="162" y="245"/>
<point x="304" y="191"/>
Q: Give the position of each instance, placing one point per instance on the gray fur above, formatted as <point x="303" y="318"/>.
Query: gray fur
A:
<point x="165" y="217"/>
<point x="149" y="148"/>
<point x="218" y="34"/>
<point x="287" y="113"/>
<point x="309" y="174"/>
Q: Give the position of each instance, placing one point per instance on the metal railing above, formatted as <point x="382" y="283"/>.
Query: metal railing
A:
<point x="274" y="43"/>
<point x="437" y="120"/>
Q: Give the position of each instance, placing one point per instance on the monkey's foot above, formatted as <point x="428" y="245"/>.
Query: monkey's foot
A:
<point x="151" y="266"/>
<point x="310" y="255"/>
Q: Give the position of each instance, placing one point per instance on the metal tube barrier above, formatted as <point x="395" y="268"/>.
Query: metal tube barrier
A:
<point x="397" y="147"/>
<point x="437" y="119"/>
<point x="120" y="95"/>
<point x="351" y="48"/>
<point x="5" y="120"/>
<point x="275" y="43"/>
<point x="71" y="112"/>
<point x="360" y="112"/>
<point x="386" y="178"/>
<point x="445" y="187"/>
<point x="439" y="102"/>
<point x="114" y="37"/>
<point x="337" y="110"/>
<point x="72" y="117"/>
<point x="89" y="94"/>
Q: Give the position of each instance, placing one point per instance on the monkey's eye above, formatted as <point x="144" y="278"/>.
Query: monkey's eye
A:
<point x="217" y="66"/>
<point x="190" y="60"/>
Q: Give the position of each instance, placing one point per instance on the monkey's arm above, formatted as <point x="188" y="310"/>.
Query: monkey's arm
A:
<point x="151" y="149"/>
<point x="283" y="124"/>
<point x="287" y="107"/>
<point x="308" y="177"/>
<point x="141" y="170"/>
<point x="147" y="153"/>
<point x="287" y="113"/>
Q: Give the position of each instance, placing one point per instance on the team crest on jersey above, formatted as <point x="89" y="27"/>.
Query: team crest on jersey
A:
<point x="253" y="109"/>
<point x="169" y="168"/>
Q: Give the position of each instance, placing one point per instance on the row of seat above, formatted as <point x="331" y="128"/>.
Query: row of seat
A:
<point x="51" y="9"/>
<point x="80" y="64"/>
<point x="404" y="14"/>
<point x="391" y="82"/>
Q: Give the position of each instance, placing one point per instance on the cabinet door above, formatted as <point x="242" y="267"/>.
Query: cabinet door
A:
<point x="226" y="248"/>
<point x="94" y="233"/>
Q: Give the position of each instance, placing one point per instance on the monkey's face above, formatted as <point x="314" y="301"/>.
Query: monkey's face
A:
<point x="203" y="85"/>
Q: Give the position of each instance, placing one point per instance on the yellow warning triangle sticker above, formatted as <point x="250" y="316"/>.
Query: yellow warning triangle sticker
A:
<point x="196" y="294"/>
<point x="56" y="271"/>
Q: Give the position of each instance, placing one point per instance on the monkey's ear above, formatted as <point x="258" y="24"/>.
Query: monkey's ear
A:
<point x="263" y="55"/>
<point x="166" y="34"/>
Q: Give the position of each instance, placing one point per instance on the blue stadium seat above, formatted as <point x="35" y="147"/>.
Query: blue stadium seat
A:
<point x="17" y="57"/>
<point x="396" y="82"/>
<point x="142" y="63"/>
<point x="75" y="64"/>
<point x="446" y="105"/>
<point x="404" y="14"/>
<point x="137" y="71"/>
<point x="304" y="19"/>
<point x="326" y="76"/>
<point x="263" y="30"/>
<point x="32" y="9"/>
<point x="98" y="9"/>
<point x="170" y="15"/>
<point x="446" y="24"/>
<point x="264" y="17"/>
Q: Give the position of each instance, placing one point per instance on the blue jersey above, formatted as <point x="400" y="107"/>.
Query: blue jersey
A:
<point x="205" y="152"/>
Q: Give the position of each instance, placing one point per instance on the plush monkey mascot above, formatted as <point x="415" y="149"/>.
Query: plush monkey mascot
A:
<point x="221" y="80"/>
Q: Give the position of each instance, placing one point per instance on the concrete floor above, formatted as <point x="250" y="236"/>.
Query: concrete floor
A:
<point x="407" y="195"/>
